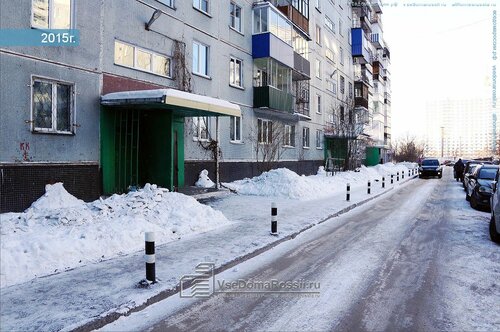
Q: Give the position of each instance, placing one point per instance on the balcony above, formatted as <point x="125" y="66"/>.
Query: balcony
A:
<point x="301" y="68"/>
<point x="377" y="6"/>
<point x="387" y="98"/>
<point x="270" y="97"/>
<point x="267" y="45"/>
<point x="301" y="98"/>
<point x="378" y="68"/>
<point x="361" y="18"/>
<point x="293" y="14"/>
<point x="361" y="93"/>
<point x="359" y="46"/>
<point x="377" y="40"/>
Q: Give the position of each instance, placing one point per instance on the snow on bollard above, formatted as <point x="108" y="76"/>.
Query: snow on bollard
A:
<point x="348" y="193"/>
<point x="150" y="257"/>
<point x="392" y="178"/>
<point x="383" y="182"/>
<point x="274" y="219"/>
<point x="402" y="175"/>
<point x="369" y="187"/>
<point x="397" y="177"/>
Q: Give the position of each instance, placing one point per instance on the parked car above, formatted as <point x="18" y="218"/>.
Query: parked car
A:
<point x="470" y="170"/>
<point x="430" y="167"/>
<point x="467" y="169"/>
<point x="495" y="212"/>
<point x="480" y="186"/>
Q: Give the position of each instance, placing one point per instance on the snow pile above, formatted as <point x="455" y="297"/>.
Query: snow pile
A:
<point x="321" y="171"/>
<point x="67" y="232"/>
<point x="285" y="183"/>
<point x="204" y="181"/>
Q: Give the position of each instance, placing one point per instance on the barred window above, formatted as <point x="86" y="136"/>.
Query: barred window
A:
<point x="52" y="107"/>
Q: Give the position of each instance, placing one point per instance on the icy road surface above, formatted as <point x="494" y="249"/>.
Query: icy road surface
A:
<point x="419" y="259"/>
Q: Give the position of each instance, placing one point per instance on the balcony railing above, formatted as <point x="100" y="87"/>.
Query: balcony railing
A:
<point x="377" y="41"/>
<point x="270" y="97"/>
<point x="301" y="66"/>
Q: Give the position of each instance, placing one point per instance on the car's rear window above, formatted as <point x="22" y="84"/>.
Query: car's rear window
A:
<point x="432" y="162"/>
<point x="488" y="173"/>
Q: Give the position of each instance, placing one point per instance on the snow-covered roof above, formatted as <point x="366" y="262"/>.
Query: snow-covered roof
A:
<point x="175" y="98"/>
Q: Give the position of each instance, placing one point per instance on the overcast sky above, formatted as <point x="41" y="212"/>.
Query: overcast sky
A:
<point x="436" y="52"/>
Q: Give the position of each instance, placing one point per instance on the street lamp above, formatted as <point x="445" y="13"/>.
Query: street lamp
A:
<point x="153" y="18"/>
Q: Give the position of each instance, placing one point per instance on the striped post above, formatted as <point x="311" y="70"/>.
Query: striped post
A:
<point x="150" y="257"/>
<point x="402" y="175"/>
<point x="348" y="193"/>
<point x="409" y="173"/>
<point x="369" y="187"/>
<point x="383" y="182"/>
<point x="274" y="219"/>
<point x="392" y="178"/>
<point x="397" y="177"/>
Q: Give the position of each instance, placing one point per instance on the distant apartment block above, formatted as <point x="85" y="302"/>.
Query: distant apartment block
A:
<point x="460" y="128"/>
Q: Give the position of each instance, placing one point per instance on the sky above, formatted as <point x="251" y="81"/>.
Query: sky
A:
<point x="436" y="52"/>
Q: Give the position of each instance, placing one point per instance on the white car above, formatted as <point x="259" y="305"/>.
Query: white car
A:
<point x="495" y="211"/>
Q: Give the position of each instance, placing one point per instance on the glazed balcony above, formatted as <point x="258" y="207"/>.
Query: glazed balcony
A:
<point x="297" y="13"/>
<point x="273" y="98"/>
<point x="301" y="68"/>
<point x="360" y="46"/>
<point x="377" y="6"/>
<point x="377" y="41"/>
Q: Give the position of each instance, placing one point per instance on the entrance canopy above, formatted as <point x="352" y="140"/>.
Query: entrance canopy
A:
<point x="181" y="103"/>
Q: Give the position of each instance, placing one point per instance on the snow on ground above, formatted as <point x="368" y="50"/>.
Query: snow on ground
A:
<point x="60" y="232"/>
<point x="285" y="183"/>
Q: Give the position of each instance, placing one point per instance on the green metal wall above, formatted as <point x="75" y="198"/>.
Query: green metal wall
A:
<point x="138" y="146"/>
<point x="267" y="96"/>
<point x="372" y="156"/>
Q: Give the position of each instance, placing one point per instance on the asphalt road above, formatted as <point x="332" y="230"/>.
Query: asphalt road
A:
<point x="418" y="259"/>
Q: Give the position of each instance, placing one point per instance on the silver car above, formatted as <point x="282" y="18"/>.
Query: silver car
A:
<point x="495" y="211"/>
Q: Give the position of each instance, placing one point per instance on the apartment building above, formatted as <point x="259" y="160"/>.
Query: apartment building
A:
<point x="461" y="128"/>
<point x="159" y="90"/>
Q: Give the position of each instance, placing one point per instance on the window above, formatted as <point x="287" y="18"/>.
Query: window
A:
<point x="235" y="72"/>
<point x="200" y="128"/>
<point x="329" y="24"/>
<point x="52" y="106"/>
<point x="318" y="104"/>
<point x="235" y="130"/>
<point x="269" y="19"/>
<point x="318" y="68"/>
<point x="235" y="12"/>
<point x="137" y="58"/>
<point x="330" y="55"/>
<point x="331" y="86"/>
<point x="265" y="130"/>
<point x="201" y="5"/>
<point x="289" y="138"/>
<point x="305" y="137"/>
<point x="169" y="3"/>
<point x="200" y="59"/>
<point x="341" y="56"/>
<point x="318" y="138"/>
<point x="342" y="84"/>
<point x="318" y="35"/>
<point x="52" y="14"/>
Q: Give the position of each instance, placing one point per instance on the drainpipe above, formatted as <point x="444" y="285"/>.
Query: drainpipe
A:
<point x="217" y="183"/>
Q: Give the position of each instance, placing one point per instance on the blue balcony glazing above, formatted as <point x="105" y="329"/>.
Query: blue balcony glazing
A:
<point x="359" y="46"/>
<point x="267" y="45"/>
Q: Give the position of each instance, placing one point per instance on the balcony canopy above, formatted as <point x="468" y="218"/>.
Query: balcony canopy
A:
<point x="181" y="103"/>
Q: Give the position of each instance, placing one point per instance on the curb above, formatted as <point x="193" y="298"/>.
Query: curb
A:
<point x="111" y="317"/>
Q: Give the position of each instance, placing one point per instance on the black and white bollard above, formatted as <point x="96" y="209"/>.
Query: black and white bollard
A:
<point x="392" y="178"/>
<point x="409" y="173"/>
<point x="383" y="182"/>
<point x="274" y="219"/>
<point x="402" y="175"/>
<point x="397" y="177"/>
<point x="369" y="188"/>
<point x="150" y="257"/>
<point x="348" y="193"/>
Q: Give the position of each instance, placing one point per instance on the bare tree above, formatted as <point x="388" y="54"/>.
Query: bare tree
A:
<point x="408" y="149"/>
<point x="347" y="123"/>
<point x="268" y="141"/>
